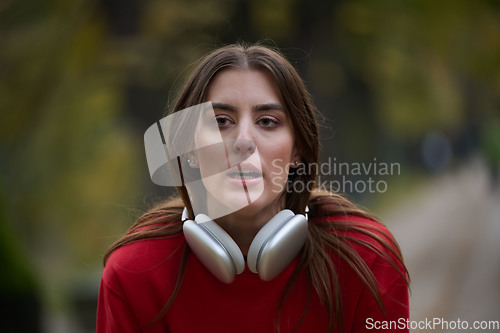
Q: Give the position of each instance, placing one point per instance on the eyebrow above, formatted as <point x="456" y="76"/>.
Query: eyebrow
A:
<point x="260" y="107"/>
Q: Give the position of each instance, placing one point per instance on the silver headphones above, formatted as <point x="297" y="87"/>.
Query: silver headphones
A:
<point x="271" y="251"/>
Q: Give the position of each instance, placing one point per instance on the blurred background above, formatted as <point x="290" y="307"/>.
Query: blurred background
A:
<point x="410" y="82"/>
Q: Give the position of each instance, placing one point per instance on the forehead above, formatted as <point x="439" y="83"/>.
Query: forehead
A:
<point x="244" y="85"/>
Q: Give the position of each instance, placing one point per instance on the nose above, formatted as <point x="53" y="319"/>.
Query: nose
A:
<point x="243" y="142"/>
<point x="244" y="145"/>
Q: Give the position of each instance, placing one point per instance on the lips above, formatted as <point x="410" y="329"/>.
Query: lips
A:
<point x="244" y="172"/>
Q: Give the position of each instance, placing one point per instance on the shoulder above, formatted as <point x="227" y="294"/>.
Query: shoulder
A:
<point x="143" y="253"/>
<point x="357" y="227"/>
<point x="370" y="239"/>
<point x="363" y="250"/>
<point x="139" y="277"/>
<point x="144" y="259"/>
<point x="336" y="214"/>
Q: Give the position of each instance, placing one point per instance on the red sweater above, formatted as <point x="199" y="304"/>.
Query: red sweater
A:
<point x="139" y="278"/>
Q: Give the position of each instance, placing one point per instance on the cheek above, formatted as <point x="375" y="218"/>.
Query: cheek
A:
<point x="209" y="147"/>
<point x="278" y="161"/>
<point x="277" y="151"/>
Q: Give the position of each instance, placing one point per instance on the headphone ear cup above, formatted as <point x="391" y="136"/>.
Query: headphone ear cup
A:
<point x="214" y="248"/>
<point x="277" y="244"/>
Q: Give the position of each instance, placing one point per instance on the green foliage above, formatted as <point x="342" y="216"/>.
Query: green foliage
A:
<point x="68" y="157"/>
<point x="418" y="57"/>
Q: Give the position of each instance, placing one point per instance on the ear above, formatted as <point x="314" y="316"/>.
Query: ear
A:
<point x="295" y="159"/>
<point x="193" y="162"/>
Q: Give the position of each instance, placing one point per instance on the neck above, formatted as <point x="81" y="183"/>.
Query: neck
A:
<point x="244" y="224"/>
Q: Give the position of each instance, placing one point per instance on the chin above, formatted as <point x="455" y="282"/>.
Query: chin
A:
<point x="261" y="204"/>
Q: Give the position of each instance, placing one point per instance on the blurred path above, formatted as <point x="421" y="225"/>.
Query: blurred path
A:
<point x="449" y="233"/>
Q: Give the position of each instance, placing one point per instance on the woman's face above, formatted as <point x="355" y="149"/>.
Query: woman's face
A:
<point x="258" y="139"/>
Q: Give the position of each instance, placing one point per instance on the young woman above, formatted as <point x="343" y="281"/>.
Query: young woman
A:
<point x="348" y="275"/>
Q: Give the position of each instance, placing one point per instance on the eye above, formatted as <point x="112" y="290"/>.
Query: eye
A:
<point x="268" y="122"/>
<point x="223" y="121"/>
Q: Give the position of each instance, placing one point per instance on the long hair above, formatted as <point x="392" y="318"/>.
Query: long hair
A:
<point x="322" y="241"/>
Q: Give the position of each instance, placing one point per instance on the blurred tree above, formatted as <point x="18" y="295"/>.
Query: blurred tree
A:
<point x="18" y="286"/>
<point x="63" y="146"/>
<point x="422" y="61"/>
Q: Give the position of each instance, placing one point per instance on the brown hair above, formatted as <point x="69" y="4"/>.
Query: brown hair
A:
<point x="315" y="259"/>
